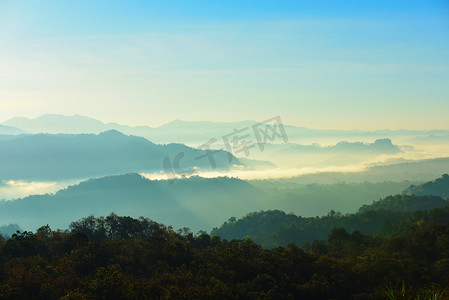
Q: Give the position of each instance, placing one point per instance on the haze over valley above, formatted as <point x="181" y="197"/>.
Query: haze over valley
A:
<point x="104" y="170"/>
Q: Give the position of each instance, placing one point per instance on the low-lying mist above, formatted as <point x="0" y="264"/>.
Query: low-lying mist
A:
<point x="13" y="189"/>
<point x="250" y="174"/>
<point x="350" y="161"/>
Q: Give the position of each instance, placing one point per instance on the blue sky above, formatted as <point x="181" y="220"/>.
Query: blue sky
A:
<point x="321" y="64"/>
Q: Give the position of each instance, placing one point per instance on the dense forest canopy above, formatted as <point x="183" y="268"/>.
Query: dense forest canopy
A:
<point x="117" y="257"/>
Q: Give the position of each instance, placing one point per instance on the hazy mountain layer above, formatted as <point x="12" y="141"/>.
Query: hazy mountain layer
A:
<point x="438" y="187"/>
<point x="195" y="202"/>
<point x="60" y="157"/>
<point x="291" y="155"/>
<point x="193" y="132"/>
<point x="7" y="130"/>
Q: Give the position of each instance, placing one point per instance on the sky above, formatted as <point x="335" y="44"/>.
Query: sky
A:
<point x="319" y="64"/>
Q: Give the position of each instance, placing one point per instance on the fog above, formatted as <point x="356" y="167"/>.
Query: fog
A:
<point x="284" y="164"/>
<point x="248" y="174"/>
<point x="13" y="189"/>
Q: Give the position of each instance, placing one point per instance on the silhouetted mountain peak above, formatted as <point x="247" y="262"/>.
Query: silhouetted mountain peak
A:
<point x="111" y="133"/>
<point x="438" y="187"/>
<point x="379" y="145"/>
<point x="384" y="142"/>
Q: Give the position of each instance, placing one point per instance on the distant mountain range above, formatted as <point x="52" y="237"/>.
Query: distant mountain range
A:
<point x="68" y="156"/>
<point x="56" y="124"/>
<point x="342" y="153"/>
<point x="9" y="130"/>
<point x="175" y="131"/>
<point x="380" y="146"/>
<point x="259" y="154"/>
<point x="190" y="132"/>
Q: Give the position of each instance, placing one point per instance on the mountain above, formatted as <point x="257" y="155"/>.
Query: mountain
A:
<point x="287" y="150"/>
<point x="189" y="132"/>
<point x="406" y="203"/>
<point x="383" y="146"/>
<point x="315" y="155"/>
<point x="120" y="257"/>
<point x="380" y="146"/>
<point x="198" y="133"/>
<point x="195" y="202"/>
<point x="438" y="187"/>
<point x="55" y="124"/>
<point x="294" y="132"/>
<point x="64" y="156"/>
<point x="313" y="199"/>
<point x="276" y="228"/>
<point x="9" y="130"/>
<point x="175" y="131"/>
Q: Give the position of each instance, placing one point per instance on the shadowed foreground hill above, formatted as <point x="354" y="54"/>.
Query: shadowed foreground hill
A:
<point x="276" y="228"/>
<point x="406" y="203"/>
<point x="59" y="157"/>
<point x="194" y="202"/>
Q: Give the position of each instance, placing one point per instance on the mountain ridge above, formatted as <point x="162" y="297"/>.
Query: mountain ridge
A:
<point x="10" y="130"/>
<point x="169" y="132"/>
<point x="78" y="156"/>
<point x="176" y="203"/>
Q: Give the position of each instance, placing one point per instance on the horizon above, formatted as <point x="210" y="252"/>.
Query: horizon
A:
<point x="210" y="121"/>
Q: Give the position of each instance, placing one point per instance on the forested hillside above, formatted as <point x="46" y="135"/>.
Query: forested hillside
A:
<point x="438" y="187"/>
<point x="124" y="258"/>
<point x="196" y="202"/>
<point x="199" y="203"/>
<point x="276" y="228"/>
